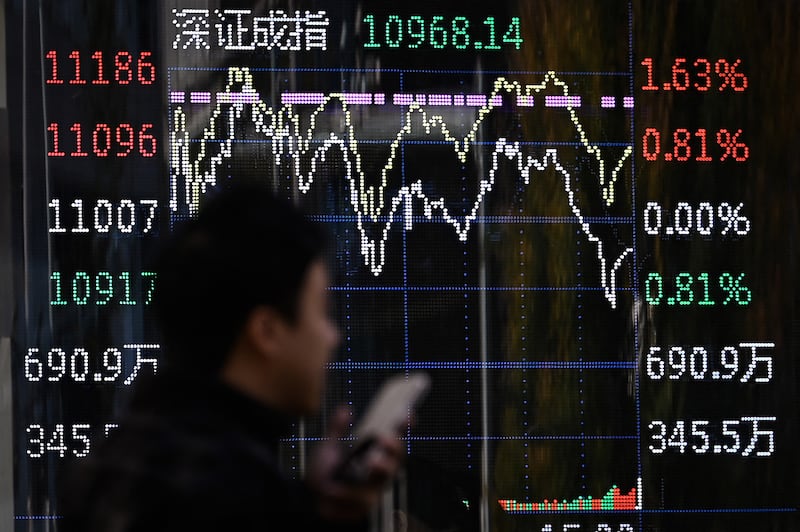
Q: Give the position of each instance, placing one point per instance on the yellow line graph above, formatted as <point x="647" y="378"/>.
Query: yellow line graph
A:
<point x="371" y="202"/>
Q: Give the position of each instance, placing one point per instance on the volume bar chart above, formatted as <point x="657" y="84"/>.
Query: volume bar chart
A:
<point x="613" y="500"/>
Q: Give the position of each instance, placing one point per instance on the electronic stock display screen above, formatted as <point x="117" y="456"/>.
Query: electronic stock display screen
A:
<point x="580" y="218"/>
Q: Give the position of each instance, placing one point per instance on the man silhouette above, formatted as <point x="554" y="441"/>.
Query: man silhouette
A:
<point x="242" y="301"/>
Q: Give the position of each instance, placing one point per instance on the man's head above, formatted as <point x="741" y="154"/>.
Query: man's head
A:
<point x="242" y="294"/>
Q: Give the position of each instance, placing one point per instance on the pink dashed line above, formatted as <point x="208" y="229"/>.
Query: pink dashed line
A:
<point x="238" y="97"/>
<point x="357" y="98"/>
<point x="200" y="97"/>
<point x="525" y="101"/>
<point x="300" y="98"/>
<point x="402" y="99"/>
<point x="476" y="100"/>
<point x="440" y="99"/>
<point x="562" y="101"/>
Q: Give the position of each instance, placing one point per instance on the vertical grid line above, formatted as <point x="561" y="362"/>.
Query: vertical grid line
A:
<point x="635" y="265"/>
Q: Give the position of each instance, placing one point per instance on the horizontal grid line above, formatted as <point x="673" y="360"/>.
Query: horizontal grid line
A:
<point x="518" y="364"/>
<point x="521" y="437"/>
<point x="589" y="512"/>
<point x="406" y="71"/>
<point x="496" y="219"/>
<point x="717" y="510"/>
<point x="446" y="143"/>
<point x="472" y="289"/>
<point x="656" y="511"/>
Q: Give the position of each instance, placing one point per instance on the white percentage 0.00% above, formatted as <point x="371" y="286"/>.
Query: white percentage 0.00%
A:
<point x="705" y="219"/>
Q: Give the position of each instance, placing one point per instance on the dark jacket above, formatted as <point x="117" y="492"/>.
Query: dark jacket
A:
<point x="192" y="454"/>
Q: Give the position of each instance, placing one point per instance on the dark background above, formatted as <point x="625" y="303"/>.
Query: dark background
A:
<point x="516" y="307"/>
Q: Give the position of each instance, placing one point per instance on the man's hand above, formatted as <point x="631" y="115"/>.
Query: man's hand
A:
<point x="341" y="500"/>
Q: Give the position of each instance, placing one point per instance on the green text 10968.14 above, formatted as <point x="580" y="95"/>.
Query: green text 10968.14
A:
<point x="440" y="32"/>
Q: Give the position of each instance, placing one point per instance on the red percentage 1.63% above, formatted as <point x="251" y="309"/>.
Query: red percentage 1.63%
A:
<point x="700" y="75"/>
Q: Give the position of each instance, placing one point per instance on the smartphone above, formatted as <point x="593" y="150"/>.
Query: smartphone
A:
<point x="386" y="415"/>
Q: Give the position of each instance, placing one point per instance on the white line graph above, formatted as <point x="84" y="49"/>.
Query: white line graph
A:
<point x="369" y="202"/>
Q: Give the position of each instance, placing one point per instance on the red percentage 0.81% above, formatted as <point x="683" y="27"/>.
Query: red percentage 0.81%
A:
<point x="693" y="146"/>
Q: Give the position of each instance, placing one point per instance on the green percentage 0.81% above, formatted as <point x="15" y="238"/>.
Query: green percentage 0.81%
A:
<point x="686" y="289"/>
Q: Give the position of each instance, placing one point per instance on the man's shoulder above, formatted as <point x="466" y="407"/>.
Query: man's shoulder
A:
<point x="186" y="453"/>
<point x="191" y="466"/>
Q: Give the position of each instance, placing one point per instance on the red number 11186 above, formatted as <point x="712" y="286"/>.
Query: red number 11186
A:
<point x="126" y="69"/>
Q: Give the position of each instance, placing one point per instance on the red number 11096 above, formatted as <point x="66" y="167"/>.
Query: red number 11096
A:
<point x="107" y="141"/>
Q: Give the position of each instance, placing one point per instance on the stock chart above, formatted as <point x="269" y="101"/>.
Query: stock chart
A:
<point x="579" y="218"/>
